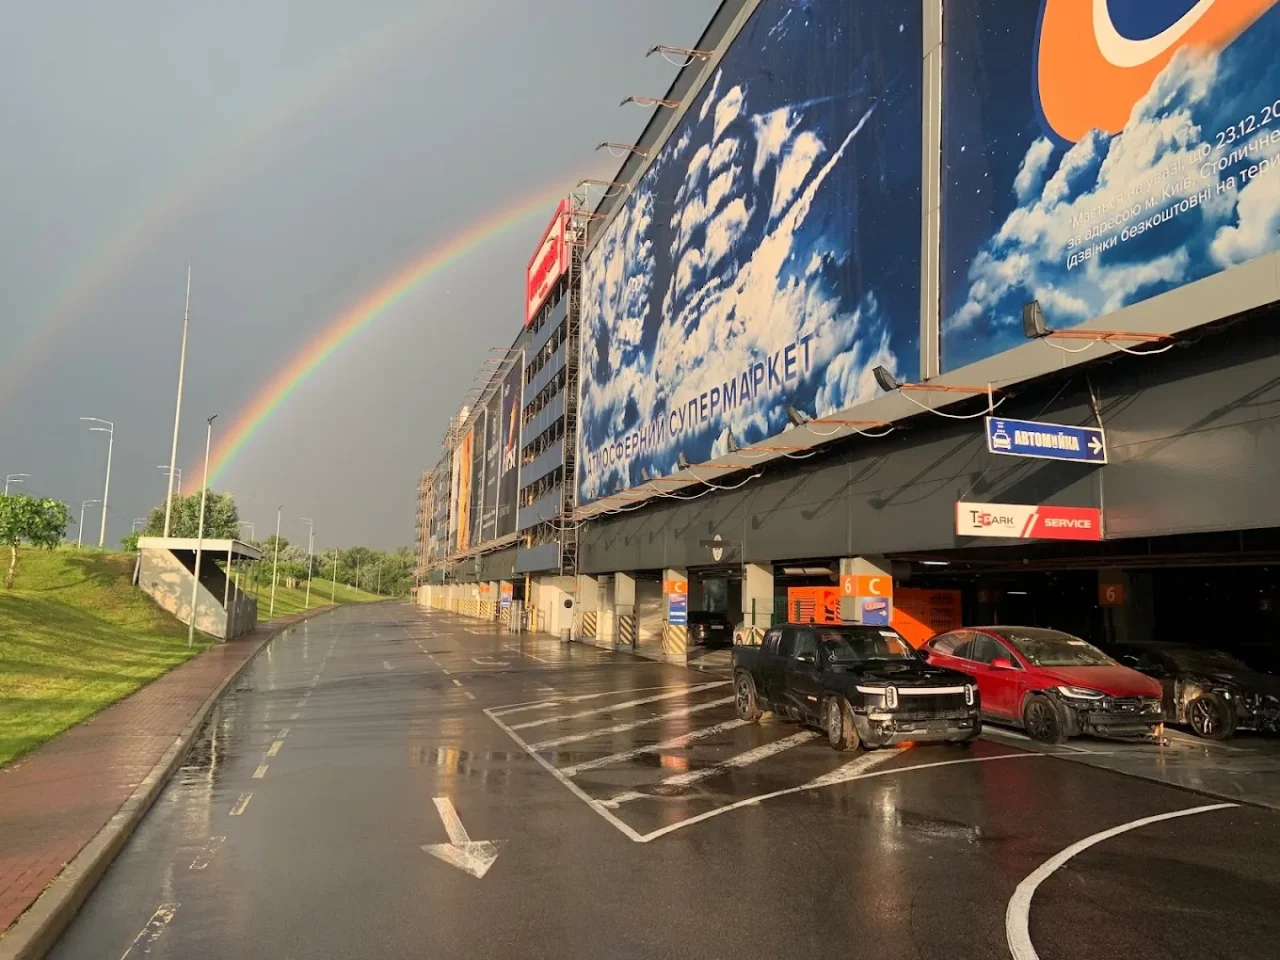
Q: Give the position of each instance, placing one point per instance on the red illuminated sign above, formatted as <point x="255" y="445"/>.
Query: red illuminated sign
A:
<point x="1024" y="522"/>
<point x="549" y="263"/>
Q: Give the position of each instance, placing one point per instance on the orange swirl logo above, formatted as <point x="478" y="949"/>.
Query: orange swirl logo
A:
<point x="1095" y="59"/>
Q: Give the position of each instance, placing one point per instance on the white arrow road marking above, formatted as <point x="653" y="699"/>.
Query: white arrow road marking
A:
<point x="473" y="856"/>
<point x="1017" y="918"/>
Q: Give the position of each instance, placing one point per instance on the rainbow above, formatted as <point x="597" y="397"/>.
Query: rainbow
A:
<point x="392" y="291"/>
<point x="125" y="244"/>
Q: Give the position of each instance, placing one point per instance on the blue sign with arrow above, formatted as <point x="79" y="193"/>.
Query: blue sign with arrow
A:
<point x="1046" y="441"/>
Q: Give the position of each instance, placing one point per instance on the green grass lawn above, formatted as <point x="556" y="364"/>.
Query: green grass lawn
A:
<point x="75" y="636"/>
<point x="290" y="600"/>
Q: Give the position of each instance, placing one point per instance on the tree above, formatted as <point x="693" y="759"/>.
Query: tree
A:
<point x="130" y="542"/>
<point x="221" y="518"/>
<point x="42" y="523"/>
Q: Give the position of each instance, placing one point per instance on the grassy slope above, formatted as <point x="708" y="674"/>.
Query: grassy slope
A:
<point x="75" y="637"/>
<point x="289" y="601"/>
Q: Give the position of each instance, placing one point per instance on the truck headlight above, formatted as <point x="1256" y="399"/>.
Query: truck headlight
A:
<point x="969" y="694"/>
<point x="1081" y="693"/>
<point x="891" y="697"/>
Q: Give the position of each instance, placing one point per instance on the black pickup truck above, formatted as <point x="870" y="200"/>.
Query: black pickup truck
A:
<point x="863" y="685"/>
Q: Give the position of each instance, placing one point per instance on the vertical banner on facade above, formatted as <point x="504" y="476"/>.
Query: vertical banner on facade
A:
<point x="492" y="448"/>
<point x="462" y="465"/>
<point x="477" y="481"/>
<point x="508" y="590"/>
<point x="509" y="472"/>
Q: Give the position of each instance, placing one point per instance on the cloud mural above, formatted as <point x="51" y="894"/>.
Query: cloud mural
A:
<point x="770" y="256"/>
<point x="1188" y="187"/>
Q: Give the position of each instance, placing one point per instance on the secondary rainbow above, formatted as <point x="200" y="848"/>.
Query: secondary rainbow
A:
<point x="360" y="315"/>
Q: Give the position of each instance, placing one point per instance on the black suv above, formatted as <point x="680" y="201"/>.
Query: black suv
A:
<point x="863" y="685"/>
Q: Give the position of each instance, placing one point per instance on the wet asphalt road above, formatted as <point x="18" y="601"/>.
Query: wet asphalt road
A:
<point x="297" y="828"/>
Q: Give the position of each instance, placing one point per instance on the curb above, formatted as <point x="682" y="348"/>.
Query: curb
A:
<point x="35" y="932"/>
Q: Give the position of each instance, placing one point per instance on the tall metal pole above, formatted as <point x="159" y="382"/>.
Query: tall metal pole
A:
<point x="106" y="490"/>
<point x="275" y="563"/>
<point x="357" y="573"/>
<point x="13" y="478"/>
<point x="378" y="588"/>
<point x="204" y="490"/>
<point x="311" y="543"/>
<point x="110" y="431"/>
<point x="80" y="537"/>
<point x="177" y="413"/>
<point x="333" y="587"/>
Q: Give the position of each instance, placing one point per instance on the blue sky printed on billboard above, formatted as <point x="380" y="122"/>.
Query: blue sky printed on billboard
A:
<point x="1099" y="219"/>
<point x="770" y="256"/>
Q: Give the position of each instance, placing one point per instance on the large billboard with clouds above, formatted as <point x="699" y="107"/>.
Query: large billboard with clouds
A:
<point x="1098" y="153"/>
<point x="770" y="255"/>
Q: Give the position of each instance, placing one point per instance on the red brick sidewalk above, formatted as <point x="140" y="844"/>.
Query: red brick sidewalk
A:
<point x="56" y="799"/>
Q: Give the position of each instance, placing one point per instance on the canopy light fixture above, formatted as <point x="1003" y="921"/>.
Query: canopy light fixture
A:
<point x="686" y="52"/>
<point x="651" y="102"/>
<point x="1034" y="327"/>
<point x="797" y="417"/>
<point x="621" y="149"/>
<point x="889" y="383"/>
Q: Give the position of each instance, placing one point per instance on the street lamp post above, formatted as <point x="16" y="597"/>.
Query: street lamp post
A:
<point x="333" y="586"/>
<point x="13" y="478"/>
<point x="246" y="523"/>
<point x="204" y="490"/>
<point x="311" y="543"/>
<point x="177" y="414"/>
<point x="83" y="504"/>
<point x="138" y="520"/>
<point x="275" y="563"/>
<point x="168" y="472"/>
<point x="110" y="431"/>
<point x="378" y="588"/>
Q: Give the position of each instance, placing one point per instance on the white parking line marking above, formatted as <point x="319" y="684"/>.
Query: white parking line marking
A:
<point x="854" y="770"/>
<point x="577" y="698"/>
<point x="1017" y="916"/>
<point x="295" y="715"/>
<point x="284" y="732"/>
<point x="151" y="932"/>
<point x="524" y="653"/>
<point x="576" y="790"/>
<point x="241" y="804"/>
<point x="204" y="856"/>
<point x="275" y="748"/>
<point x="626" y="704"/>
<point x="675" y="743"/>
<point x="623" y="727"/>
<point x="446" y="673"/>
<point x="386" y="665"/>
<point x="762" y="752"/>
<point x="260" y="772"/>
<point x="457" y="682"/>
<point x="470" y="695"/>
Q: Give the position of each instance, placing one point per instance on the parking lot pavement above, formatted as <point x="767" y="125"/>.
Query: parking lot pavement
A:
<point x="392" y="783"/>
<point x="1246" y="768"/>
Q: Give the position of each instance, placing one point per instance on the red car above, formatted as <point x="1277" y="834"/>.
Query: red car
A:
<point x="1051" y="684"/>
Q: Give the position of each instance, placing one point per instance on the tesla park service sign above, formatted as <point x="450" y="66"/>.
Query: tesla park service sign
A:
<point x="1025" y="522"/>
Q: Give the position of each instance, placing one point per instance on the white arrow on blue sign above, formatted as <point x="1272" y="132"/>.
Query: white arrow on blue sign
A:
<point x="1046" y="441"/>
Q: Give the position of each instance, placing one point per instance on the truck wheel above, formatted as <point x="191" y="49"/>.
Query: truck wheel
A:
<point x="841" y="732"/>
<point x="1041" y="721"/>
<point x="744" y="698"/>
<point x="1211" y="717"/>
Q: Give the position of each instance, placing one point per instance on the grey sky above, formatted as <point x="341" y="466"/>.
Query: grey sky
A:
<point x="297" y="152"/>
